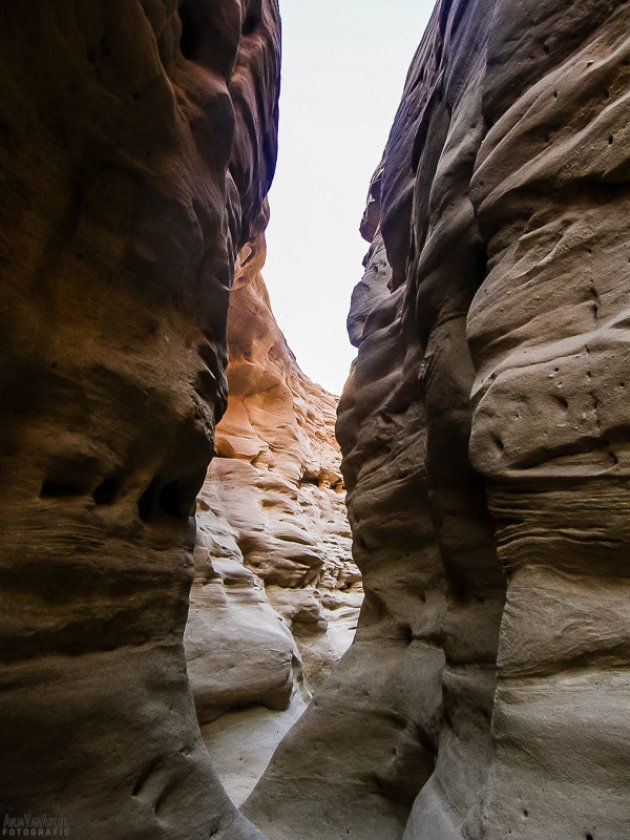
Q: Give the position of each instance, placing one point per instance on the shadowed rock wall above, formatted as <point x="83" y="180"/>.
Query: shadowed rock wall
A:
<point x="137" y="145"/>
<point x="485" y="438"/>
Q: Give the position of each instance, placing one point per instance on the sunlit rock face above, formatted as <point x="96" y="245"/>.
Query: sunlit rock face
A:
<point x="485" y="438"/>
<point x="137" y="144"/>
<point x="276" y="594"/>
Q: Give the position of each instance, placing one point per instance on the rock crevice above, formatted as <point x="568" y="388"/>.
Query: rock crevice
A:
<point x="272" y="521"/>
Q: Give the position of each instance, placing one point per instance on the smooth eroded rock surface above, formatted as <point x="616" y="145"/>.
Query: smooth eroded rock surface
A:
<point x="485" y="438"/>
<point x="137" y="143"/>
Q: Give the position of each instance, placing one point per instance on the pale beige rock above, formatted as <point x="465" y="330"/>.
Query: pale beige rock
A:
<point x="242" y="743"/>
<point x="277" y="470"/>
<point x="238" y="650"/>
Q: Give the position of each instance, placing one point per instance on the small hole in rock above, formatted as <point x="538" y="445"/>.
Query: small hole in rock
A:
<point x="249" y="24"/>
<point x="174" y="500"/>
<point x="146" y="502"/>
<point x="610" y="140"/>
<point x="189" y="40"/>
<point x="105" y="493"/>
<point x="59" y="489"/>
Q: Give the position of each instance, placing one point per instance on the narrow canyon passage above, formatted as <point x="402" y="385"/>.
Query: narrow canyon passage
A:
<point x="178" y="581"/>
<point x="276" y="595"/>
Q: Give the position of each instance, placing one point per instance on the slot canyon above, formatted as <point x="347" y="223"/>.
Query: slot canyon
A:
<point x="234" y="605"/>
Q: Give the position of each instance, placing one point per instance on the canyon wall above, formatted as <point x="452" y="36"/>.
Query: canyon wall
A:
<point x="276" y="593"/>
<point x="485" y="436"/>
<point x="138" y="141"/>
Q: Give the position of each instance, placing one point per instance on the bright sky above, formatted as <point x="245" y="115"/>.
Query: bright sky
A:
<point x="343" y="68"/>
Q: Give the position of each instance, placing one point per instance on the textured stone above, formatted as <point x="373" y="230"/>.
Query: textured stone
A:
<point x="276" y="593"/>
<point x="484" y="430"/>
<point x="135" y="154"/>
<point x="485" y="443"/>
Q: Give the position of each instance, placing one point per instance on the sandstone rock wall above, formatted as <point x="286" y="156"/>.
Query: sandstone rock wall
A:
<point x="273" y="529"/>
<point x="137" y="142"/>
<point x="485" y="437"/>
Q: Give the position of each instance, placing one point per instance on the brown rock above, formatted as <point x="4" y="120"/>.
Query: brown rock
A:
<point x="490" y="321"/>
<point x="550" y="427"/>
<point x="119" y="225"/>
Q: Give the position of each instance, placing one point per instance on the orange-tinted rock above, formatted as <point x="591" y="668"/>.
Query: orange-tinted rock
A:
<point x="135" y="154"/>
<point x="485" y="443"/>
<point x="273" y="539"/>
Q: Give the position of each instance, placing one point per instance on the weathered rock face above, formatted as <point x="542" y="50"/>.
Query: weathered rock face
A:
<point x="485" y="438"/>
<point x="276" y="594"/>
<point x="137" y="144"/>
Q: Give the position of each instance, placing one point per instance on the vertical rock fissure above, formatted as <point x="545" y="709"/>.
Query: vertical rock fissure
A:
<point x="133" y="168"/>
<point x="276" y="593"/>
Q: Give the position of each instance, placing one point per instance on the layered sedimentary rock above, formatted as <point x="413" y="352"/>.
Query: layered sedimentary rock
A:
<point x="137" y="144"/>
<point x="485" y="438"/>
<point x="276" y="592"/>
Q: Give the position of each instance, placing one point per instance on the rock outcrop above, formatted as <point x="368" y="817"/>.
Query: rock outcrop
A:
<point x="485" y="437"/>
<point x="276" y="593"/>
<point x="138" y="142"/>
